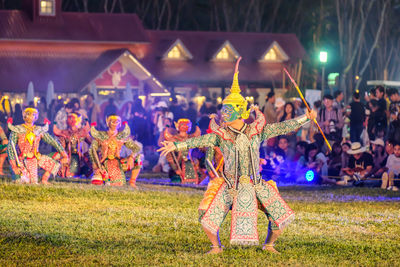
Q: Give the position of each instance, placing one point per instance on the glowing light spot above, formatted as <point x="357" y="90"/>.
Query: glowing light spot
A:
<point x="310" y="176"/>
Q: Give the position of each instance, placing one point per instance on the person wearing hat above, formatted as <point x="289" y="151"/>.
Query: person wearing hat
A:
<point x="330" y="119"/>
<point x="360" y="164"/>
<point x="243" y="187"/>
<point x="297" y="102"/>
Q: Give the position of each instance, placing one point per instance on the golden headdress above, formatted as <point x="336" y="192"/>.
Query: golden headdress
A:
<point x="182" y="121"/>
<point x="33" y="110"/>
<point x="112" y="116"/>
<point x="77" y="116"/>
<point x="235" y="98"/>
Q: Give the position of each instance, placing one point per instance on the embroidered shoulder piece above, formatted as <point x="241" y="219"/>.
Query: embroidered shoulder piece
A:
<point x="125" y="133"/>
<point x="38" y="130"/>
<point x="258" y="124"/>
<point x="19" y="129"/>
<point x="219" y="130"/>
<point x="99" y="135"/>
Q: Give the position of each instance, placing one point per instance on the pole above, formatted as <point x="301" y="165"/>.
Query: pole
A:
<point x="323" y="81"/>
<point x="308" y="108"/>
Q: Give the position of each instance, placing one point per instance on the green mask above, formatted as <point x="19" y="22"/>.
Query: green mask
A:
<point x="229" y="113"/>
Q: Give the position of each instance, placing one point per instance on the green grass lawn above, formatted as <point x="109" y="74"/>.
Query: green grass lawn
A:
<point x="79" y="224"/>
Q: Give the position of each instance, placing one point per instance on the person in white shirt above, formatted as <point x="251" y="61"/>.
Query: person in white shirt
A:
<point x="393" y="169"/>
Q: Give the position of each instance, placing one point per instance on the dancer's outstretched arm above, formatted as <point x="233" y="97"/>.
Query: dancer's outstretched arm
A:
<point x="207" y="140"/>
<point x="280" y="128"/>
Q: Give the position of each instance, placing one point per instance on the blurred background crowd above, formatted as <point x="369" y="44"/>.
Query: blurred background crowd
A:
<point x="364" y="134"/>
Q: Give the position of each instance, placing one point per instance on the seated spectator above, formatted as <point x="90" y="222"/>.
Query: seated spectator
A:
<point x="313" y="160"/>
<point x="270" y="162"/>
<point x="335" y="160"/>
<point x="379" y="156"/>
<point x="345" y="156"/>
<point x="278" y="162"/>
<point x="301" y="147"/>
<point x="389" y="149"/>
<point x="283" y="145"/>
<point x="393" y="170"/>
<point x="359" y="167"/>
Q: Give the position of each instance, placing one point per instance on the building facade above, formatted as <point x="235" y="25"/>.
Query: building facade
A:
<point x="110" y="54"/>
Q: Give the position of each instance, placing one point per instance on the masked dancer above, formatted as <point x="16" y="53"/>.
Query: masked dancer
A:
<point x="23" y="149"/>
<point x="182" y="162"/>
<point x="72" y="139"/>
<point x="239" y="143"/>
<point x="3" y="149"/>
<point x="109" y="167"/>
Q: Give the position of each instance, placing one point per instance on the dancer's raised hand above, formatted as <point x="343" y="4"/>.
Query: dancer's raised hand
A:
<point x="311" y="115"/>
<point x="254" y="107"/>
<point x="167" y="147"/>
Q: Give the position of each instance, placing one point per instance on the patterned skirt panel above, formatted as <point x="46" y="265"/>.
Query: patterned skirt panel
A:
<point x="115" y="172"/>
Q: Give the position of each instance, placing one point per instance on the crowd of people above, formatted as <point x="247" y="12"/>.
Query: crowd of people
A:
<point x="365" y="139"/>
<point x="365" y="134"/>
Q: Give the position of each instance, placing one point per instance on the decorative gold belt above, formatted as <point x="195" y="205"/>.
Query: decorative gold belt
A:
<point x="31" y="155"/>
<point x="244" y="179"/>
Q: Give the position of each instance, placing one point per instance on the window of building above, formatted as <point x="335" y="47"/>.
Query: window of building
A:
<point x="226" y="53"/>
<point x="271" y="55"/>
<point x="47" y="8"/>
<point x="174" y="53"/>
<point x="223" y="54"/>
<point x="274" y="53"/>
<point x="177" y="51"/>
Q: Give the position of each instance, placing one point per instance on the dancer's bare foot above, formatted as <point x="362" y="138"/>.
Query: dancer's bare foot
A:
<point x="271" y="249"/>
<point x="46" y="183"/>
<point x="215" y="250"/>
<point x="133" y="185"/>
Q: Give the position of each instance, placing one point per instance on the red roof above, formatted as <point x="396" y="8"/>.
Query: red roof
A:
<point x="69" y="72"/>
<point x="73" y="27"/>
<point x="203" y="45"/>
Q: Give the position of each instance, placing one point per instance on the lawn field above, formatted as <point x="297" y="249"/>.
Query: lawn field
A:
<point x="81" y="225"/>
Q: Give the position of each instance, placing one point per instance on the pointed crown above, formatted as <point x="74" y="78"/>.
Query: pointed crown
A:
<point x="235" y="98"/>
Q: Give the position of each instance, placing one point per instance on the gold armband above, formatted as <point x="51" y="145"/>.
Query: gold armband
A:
<point x="180" y="146"/>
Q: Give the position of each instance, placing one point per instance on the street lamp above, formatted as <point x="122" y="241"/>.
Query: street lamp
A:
<point x="323" y="58"/>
